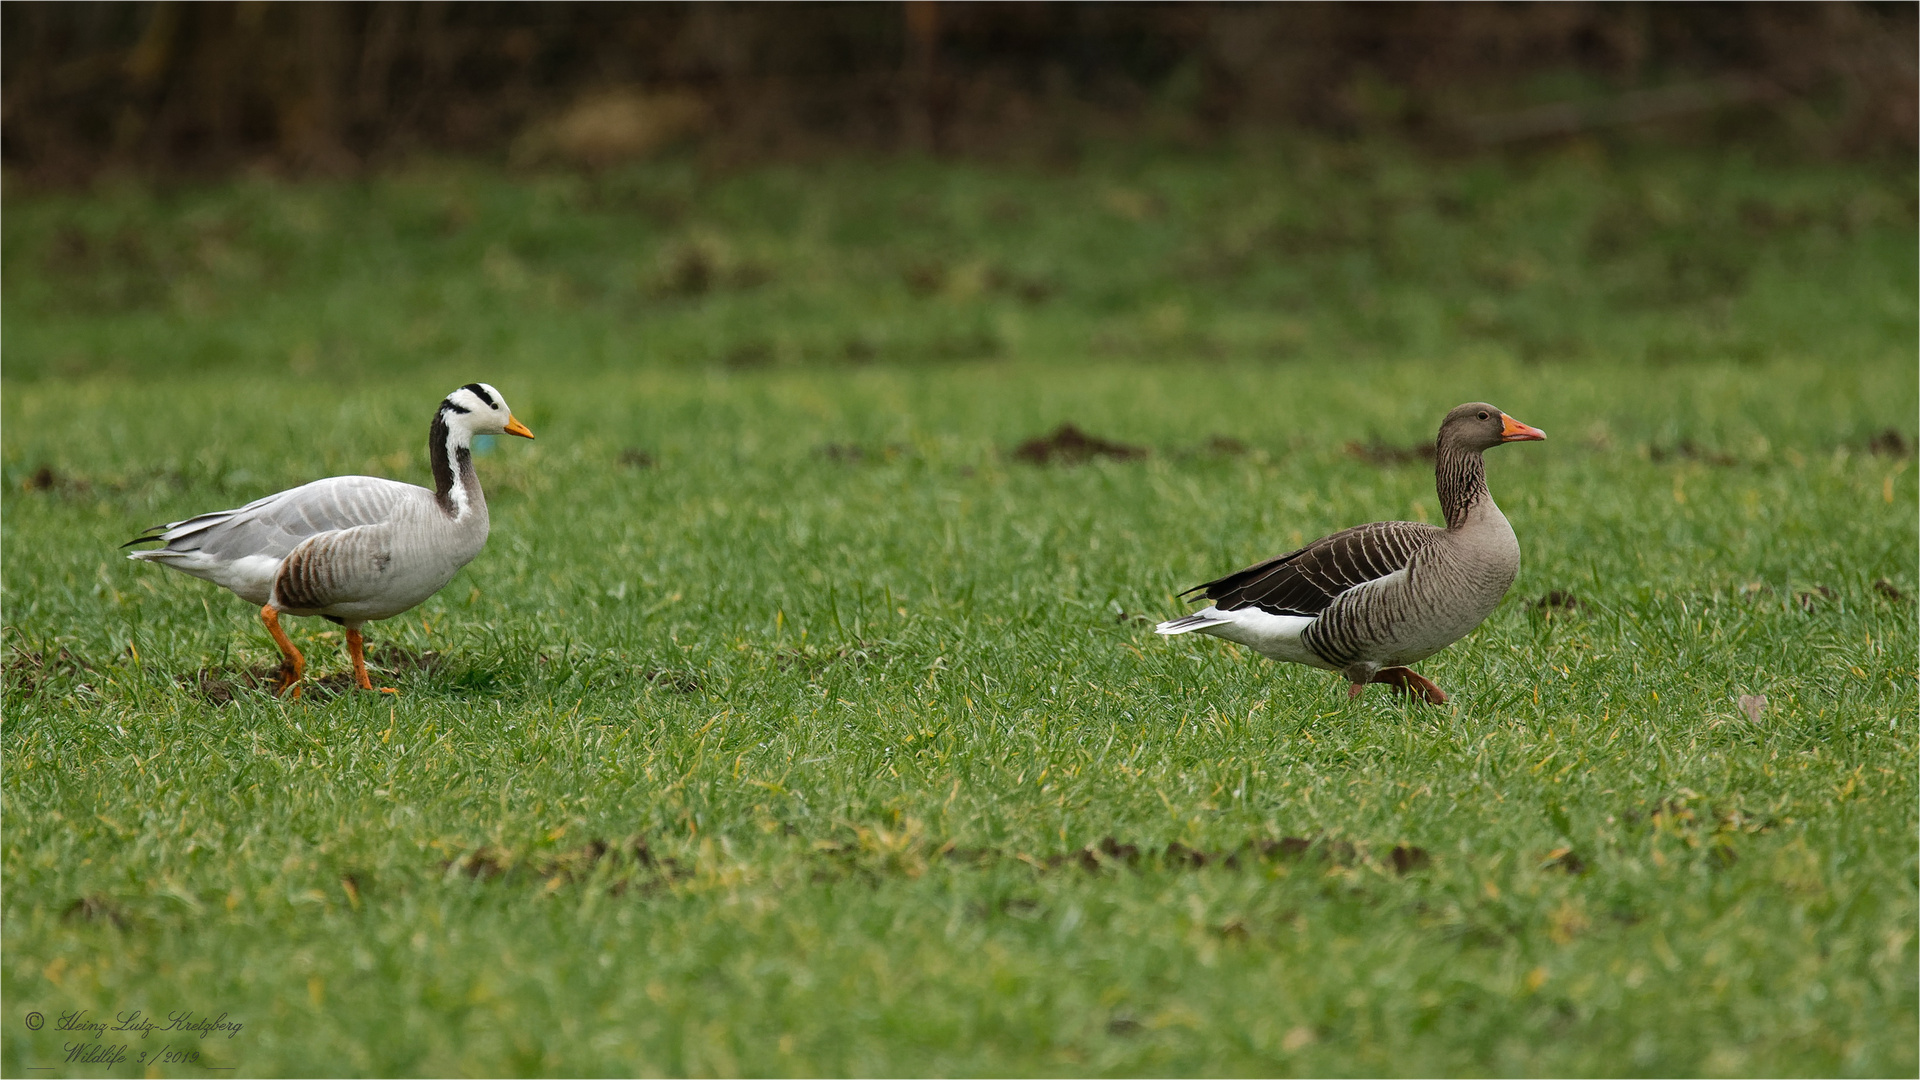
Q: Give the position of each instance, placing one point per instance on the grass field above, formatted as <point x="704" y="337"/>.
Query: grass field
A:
<point x="791" y="723"/>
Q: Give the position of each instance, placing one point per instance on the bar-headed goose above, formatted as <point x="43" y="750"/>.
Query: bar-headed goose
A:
<point x="352" y="549"/>
<point x="1369" y="600"/>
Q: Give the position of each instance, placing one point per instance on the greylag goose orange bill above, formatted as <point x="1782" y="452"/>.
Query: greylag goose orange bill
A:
<point x="350" y="549"/>
<point x="1370" y="600"/>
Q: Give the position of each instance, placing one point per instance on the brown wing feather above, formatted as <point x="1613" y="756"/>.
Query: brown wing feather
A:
<point x="1304" y="582"/>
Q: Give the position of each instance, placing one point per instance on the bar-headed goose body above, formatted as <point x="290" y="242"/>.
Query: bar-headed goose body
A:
<point x="352" y="549"/>
<point x="1369" y="600"/>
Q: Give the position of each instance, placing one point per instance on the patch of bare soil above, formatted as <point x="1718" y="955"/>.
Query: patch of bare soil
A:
<point x="95" y="908"/>
<point x="26" y="670"/>
<point x="221" y="685"/>
<point x="1068" y="445"/>
<point x="1559" y="600"/>
<point x="629" y="863"/>
<point x="1890" y="443"/>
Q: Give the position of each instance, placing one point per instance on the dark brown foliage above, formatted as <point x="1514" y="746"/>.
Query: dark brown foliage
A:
<point x="1068" y="445"/>
<point x="333" y="87"/>
<point x="635" y="458"/>
<point x="1889" y="590"/>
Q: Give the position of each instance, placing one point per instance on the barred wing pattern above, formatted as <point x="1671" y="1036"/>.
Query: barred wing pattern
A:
<point x="1304" y="582"/>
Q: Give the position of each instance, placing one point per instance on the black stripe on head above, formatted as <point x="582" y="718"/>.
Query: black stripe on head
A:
<point x="451" y="405"/>
<point x="480" y="391"/>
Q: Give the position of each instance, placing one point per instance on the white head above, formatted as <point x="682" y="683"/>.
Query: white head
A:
<point x="478" y="409"/>
<point x="474" y="409"/>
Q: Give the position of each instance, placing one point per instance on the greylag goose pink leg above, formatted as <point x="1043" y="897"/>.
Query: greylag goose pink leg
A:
<point x="1409" y="682"/>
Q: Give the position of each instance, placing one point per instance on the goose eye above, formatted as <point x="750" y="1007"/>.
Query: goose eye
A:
<point x="1484" y="416"/>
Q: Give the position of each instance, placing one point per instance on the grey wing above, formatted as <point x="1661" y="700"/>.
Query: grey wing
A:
<point x="277" y="524"/>
<point x="1304" y="582"/>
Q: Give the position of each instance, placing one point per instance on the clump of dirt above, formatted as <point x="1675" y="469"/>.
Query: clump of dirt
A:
<point x="679" y="682"/>
<point x="1566" y="860"/>
<point x="221" y="685"/>
<point x="635" y="458"/>
<point x="1559" y="599"/>
<point x="1809" y="599"/>
<point x="1068" y="445"/>
<point x="631" y="862"/>
<point x="27" y="670"/>
<point x="95" y="908"/>
<point x="1110" y="852"/>
<point x="46" y="479"/>
<point x="1406" y="858"/>
<point x="1889" y="590"/>
<point x="1890" y="443"/>
<point x="1379" y="453"/>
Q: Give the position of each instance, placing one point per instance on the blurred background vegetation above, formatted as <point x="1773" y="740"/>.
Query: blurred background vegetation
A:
<point x="335" y="87"/>
<point x="298" y="189"/>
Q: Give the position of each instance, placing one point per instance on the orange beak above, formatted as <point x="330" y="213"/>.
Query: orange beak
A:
<point x="1511" y="430"/>
<point x="515" y="427"/>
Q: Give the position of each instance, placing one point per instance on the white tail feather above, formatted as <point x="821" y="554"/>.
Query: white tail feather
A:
<point x="1205" y="617"/>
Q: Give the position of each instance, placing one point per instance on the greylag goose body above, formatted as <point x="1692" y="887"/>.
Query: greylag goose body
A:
<point x="1369" y="600"/>
<point x="351" y="549"/>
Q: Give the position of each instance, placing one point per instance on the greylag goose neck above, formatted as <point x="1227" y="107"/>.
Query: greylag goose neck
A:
<point x="1369" y="600"/>
<point x="351" y="549"/>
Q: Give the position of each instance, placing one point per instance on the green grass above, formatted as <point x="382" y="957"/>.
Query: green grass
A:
<point x="857" y="710"/>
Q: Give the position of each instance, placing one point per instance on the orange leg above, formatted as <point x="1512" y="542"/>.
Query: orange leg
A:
<point x="1410" y="682"/>
<point x="357" y="649"/>
<point x="295" y="665"/>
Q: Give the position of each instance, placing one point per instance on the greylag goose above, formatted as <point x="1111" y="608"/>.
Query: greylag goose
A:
<point x="1369" y="600"/>
<point x="351" y="549"/>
